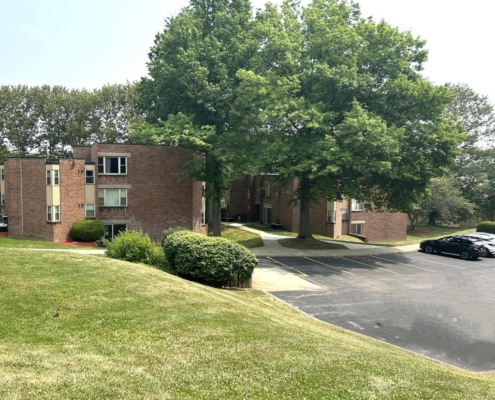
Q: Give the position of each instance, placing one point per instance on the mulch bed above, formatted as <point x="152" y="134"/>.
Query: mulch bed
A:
<point x="4" y="234"/>
<point x="418" y="231"/>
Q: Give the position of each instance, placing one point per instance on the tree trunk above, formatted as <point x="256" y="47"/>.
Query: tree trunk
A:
<point x="304" y="228"/>
<point x="432" y="218"/>
<point x="217" y="217"/>
<point x="413" y="221"/>
<point x="209" y="211"/>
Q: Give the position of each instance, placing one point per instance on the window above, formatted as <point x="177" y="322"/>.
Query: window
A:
<point x="55" y="173"/>
<point x="267" y="215"/>
<point x="267" y="191"/>
<point x="90" y="177"/>
<point x="2" y="201"/>
<point x="90" y="210"/>
<point x="357" y="229"/>
<point x="356" y="206"/>
<point x="53" y="213"/>
<point x="3" y="174"/>
<point x="331" y="216"/>
<point x="113" y="230"/>
<point x="345" y="215"/>
<point x="249" y="194"/>
<point x="112" y="197"/>
<point x="112" y="165"/>
<point x="203" y="218"/>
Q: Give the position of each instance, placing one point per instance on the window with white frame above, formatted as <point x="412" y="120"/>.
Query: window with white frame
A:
<point x="267" y="215"/>
<point x="52" y="177"/>
<point x="345" y="214"/>
<point x="356" y="206"/>
<point x="53" y="213"/>
<point x="112" y="165"/>
<point x="2" y="174"/>
<point x="331" y="216"/>
<point x="203" y="218"/>
<point x="89" y="177"/>
<point x="112" y="197"/>
<point x="357" y="229"/>
<point x="2" y="200"/>
<point x="90" y="210"/>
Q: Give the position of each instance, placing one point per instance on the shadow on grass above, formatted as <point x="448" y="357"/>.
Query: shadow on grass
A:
<point x="310" y="244"/>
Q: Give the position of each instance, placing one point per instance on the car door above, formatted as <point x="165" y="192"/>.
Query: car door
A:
<point x="445" y="245"/>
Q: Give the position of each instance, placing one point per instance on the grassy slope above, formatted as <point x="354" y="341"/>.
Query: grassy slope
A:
<point x="21" y="242"/>
<point x="246" y="238"/>
<point x="130" y="331"/>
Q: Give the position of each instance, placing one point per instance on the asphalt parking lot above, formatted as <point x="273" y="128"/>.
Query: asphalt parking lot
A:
<point x="435" y="305"/>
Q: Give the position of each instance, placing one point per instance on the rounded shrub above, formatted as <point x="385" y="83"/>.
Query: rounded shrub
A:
<point x="87" y="230"/>
<point x="172" y="230"/>
<point x="212" y="260"/>
<point x="133" y="246"/>
<point x="486" y="226"/>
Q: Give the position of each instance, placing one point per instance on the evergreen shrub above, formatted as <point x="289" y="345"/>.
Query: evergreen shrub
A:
<point x="486" y="226"/>
<point x="87" y="230"/>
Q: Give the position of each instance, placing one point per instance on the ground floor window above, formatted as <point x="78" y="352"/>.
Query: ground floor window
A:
<point x="90" y="210"/>
<point x="345" y="215"/>
<point x="357" y="229"/>
<point x="267" y="215"/>
<point x="113" y="230"/>
<point x="53" y="213"/>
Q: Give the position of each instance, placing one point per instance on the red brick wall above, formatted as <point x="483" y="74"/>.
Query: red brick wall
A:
<point x="381" y="226"/>
<point x="71" y="198"/>
<point x="239" y="203"/>
<point x="26" y="205"/>
<point x="157" y="199"/>
<point x="83" y="152"/>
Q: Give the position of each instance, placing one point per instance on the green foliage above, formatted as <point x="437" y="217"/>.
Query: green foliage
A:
<point x="87" y="230"/>
<point x="191" y="95"/>
<point x="211" y="260"/>
<point x="135" y="246"/>
<point x="486" y="226"/>
<point x="48" y="120"/>
<point x="167" y="232"/>
<point x="343" y="107"/>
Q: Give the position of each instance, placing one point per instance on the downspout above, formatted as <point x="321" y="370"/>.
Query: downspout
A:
<point x="22" y="203"/>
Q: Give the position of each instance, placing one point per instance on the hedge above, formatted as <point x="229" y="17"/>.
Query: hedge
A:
<point x="87" y="230"/>
<point x="212" y="260"/>
<point x="486" y="226"/>
<point x="135" y="246"/>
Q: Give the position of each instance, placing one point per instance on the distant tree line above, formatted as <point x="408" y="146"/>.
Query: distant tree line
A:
<point x="49" y="120"/>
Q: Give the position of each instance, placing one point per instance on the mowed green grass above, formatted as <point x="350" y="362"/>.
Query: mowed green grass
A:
<point x="22" y="242"/>
<point x="133" y="332"/>
<point x="241" y="236"/>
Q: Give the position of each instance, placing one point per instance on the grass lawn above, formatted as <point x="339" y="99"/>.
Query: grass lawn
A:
<point x="432" y="232"/>
<point x="309" y="244"/>
<point x="130" y="331"/>
<point x="20" y="242"/>
<point x="246" y="238"/>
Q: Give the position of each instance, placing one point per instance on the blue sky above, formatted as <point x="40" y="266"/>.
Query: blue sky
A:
<point x="89" y="43"/>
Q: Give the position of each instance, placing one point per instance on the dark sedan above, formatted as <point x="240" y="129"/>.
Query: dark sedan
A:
<point x="458" y="245"/>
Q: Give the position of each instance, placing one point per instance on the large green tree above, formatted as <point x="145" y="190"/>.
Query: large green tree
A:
<point x="191" y="96"/>
<point x="344" y="107"/>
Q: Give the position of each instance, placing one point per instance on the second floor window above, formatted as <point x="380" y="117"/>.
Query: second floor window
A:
<point x="3" y="173"/>
<point x="90" y="177"/>
<point x="345" y="216"/>
<point x="53" y="213"/>
<point x="48" y="178"/>
<point x="112" y="165"/>
<point x="52" y="177"/>
<point x="90" y="210"/>
<point x="2" y="201"/>
<point x="112" y="197"/>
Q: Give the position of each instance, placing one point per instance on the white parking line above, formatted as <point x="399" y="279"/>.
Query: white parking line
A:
<point x="286" y="266"/>
<point x="435" y="262"/>
<point x="331" y="266"/>
<point x="368" y="265"/>
<point x="409" y="265"/>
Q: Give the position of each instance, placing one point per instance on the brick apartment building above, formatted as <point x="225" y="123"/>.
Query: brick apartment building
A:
<point x="253" y="197"/>
<point x="124" y="186"/>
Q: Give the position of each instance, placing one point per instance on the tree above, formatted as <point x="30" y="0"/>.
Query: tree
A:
<point x="190" y="98"/>
<point x="344" y="107"/>
<point x="443" y="201"/>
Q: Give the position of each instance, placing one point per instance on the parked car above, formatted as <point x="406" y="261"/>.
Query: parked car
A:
<point x="4" y="223"/>
<point x="459" y="245"/>
<point x="488" y="240"/>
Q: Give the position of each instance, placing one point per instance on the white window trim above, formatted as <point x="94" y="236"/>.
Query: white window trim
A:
<point x="268" y="191"/>
<point x="356" y="223"/>
<point x="52" y="175"/>
<point x="86" y="177"/>
<point x="48" y="177"/>
<point x="346" y="214"/>
<point x="2" y="200"/>
<point x="104" y="165"/>
<point x="331" y="216"/>
<point x="356" y="206"/>
<point x="105" y="197"/>
<point x="51" y="214"/>
<point x="86" y="210"/>
<point x="2" y="174"/>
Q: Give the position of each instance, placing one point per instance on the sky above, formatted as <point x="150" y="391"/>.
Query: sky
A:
<point x="86" y="44"/>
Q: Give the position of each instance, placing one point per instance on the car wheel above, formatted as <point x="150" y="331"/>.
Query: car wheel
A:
<point x="429" y="249"/>
<point x="465" y="255"/>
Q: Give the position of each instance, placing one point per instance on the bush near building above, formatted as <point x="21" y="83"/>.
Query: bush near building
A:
<point x="87" y="230"/>
<point x="135" y="246"/>
<point x="211" y="260"/>
<point x="486" y="226"/>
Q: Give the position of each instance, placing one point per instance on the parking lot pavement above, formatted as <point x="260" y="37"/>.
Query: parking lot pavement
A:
<point x="435" y="305"/>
